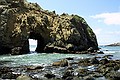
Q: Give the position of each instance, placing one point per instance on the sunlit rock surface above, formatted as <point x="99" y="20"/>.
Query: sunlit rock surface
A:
<point x="21" y="20"/>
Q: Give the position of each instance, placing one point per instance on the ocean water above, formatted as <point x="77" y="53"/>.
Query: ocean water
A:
<point x="34" y="58"/>
<point x="112" y="50"/>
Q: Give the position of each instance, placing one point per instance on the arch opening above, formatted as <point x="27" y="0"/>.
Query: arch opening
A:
<point x="32" y="45"/>
<point x="36" y="41"/>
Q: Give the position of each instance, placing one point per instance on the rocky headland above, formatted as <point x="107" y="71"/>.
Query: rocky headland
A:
<point x="21" y="20"/>
<point x="114" y="44"/>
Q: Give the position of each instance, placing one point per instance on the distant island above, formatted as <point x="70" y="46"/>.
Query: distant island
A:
<point x="114" y="44"/>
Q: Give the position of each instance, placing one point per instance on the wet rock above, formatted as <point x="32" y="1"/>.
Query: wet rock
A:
<point x="68" y="75"/>
<point x="88" y="78"/>
<point x="94" y="61"/>
<point x="104" y="69"/>
<point x="62" y="63"/>
<point x="113" y="75"/>
<point x="24" y="77"/>
<point x="84" y="62"/>
<point x="34" y="67"/>
<point x="108" y="56"/>
<point x="64" y="71"/>
<point x="104" y="61"/>
<point x="16" y="50"/>
<point x="4" y="70"/>
<point x="83" y="72"/>
<point x="96" y="75"/>
<point x="100" y="52"/>
<point x="91" y="49"/>
<point x="69" y="58"/>
<point x="3" y="2"/>
<point x="116" y="67"/>
<point x="9" y="75"/>
<point x="49" y="75"/>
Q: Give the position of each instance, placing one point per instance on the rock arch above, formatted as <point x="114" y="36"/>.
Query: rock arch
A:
<point x="40" y="41"/>
<point x="53" y="32"/>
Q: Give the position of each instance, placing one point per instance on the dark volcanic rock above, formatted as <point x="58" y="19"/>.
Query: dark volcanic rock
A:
<point x="21" y="20"/>
<point x="9" y="75"/>
<point x="49" y="75"/>
<point x="83" y="69"/>
<point x="84" y="62"/>
<point x="113" y="75"/>
<point x="94" y="61"/>
<point x="68" y="74"/>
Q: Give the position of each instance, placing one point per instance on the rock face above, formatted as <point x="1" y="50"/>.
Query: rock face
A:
<point x="21" y="20"/>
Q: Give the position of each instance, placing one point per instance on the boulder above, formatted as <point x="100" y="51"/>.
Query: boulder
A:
<point x="62" y="63"/>
<point x="49" y="75"/>
<point x="9" y="75"/>
<point x="68" y="74"/>
<point x="104" y="61"/>
<point x="21" y="20"/>
<point x="94" y="61"/>
<point x="84" y="62"/>
<point x="113" y="75"/>
<point x="23" y="77"/>
<point x="34" y="67"/>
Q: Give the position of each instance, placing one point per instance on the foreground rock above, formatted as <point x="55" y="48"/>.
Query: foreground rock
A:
<point x="96" y="68"/>
<point x="21" y="20"/>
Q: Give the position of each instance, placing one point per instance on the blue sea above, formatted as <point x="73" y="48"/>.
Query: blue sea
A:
<point x="34" y="58"/>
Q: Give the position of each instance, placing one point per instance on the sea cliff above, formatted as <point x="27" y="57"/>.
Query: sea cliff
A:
<point x="21" y="20"/>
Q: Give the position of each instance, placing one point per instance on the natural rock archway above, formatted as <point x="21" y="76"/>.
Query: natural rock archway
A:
<point x="40" y="41"/>
<point x="21" y="20"/>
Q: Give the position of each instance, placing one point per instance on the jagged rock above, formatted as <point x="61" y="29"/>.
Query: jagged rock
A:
<point x="49" y="75"/>
<point x="21" y="20"/>
<point x="94" y="61"/>
<point x="68" y="74"/>
<point x="9" y="75"/>
<point x="84" y="62"/>
<point x="113" y="75"/>
<point x="104" y="61"/>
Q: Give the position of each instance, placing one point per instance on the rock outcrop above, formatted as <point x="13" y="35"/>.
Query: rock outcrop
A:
<point x="114" y="44"/>
<point x="21" y="20"/>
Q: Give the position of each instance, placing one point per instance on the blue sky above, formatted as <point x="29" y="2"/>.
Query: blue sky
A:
<point x="103" y="16"/>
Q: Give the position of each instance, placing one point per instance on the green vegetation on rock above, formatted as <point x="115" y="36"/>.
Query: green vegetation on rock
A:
<point x="21" y="20"/>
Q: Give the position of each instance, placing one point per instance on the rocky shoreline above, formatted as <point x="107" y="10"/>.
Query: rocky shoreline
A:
<point x="100" y="68"/>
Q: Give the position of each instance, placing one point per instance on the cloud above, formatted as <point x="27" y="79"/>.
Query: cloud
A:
<point x="109" y="18"/>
